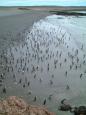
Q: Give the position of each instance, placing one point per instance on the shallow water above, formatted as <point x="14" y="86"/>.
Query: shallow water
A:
<point x="49" y="63"/>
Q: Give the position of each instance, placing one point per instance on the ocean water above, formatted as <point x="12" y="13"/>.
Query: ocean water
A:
<point x="50" y="64"/>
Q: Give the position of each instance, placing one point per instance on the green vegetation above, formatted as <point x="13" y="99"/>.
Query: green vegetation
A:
<point x="23" y="8"/>
<point x="69" y="13"/>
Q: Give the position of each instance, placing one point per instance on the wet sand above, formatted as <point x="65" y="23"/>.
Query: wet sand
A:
<point x="48" y="65"/>
<point x="13" y="21"/>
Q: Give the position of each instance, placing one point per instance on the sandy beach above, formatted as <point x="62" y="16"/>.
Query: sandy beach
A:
<point x="13" y="20"/>
<point x="43" y="57"/>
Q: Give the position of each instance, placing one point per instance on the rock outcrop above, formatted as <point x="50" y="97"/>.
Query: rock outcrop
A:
<point x="17" y="106"/>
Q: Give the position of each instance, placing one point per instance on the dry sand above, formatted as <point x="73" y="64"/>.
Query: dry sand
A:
<point x="57" y="8"/>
